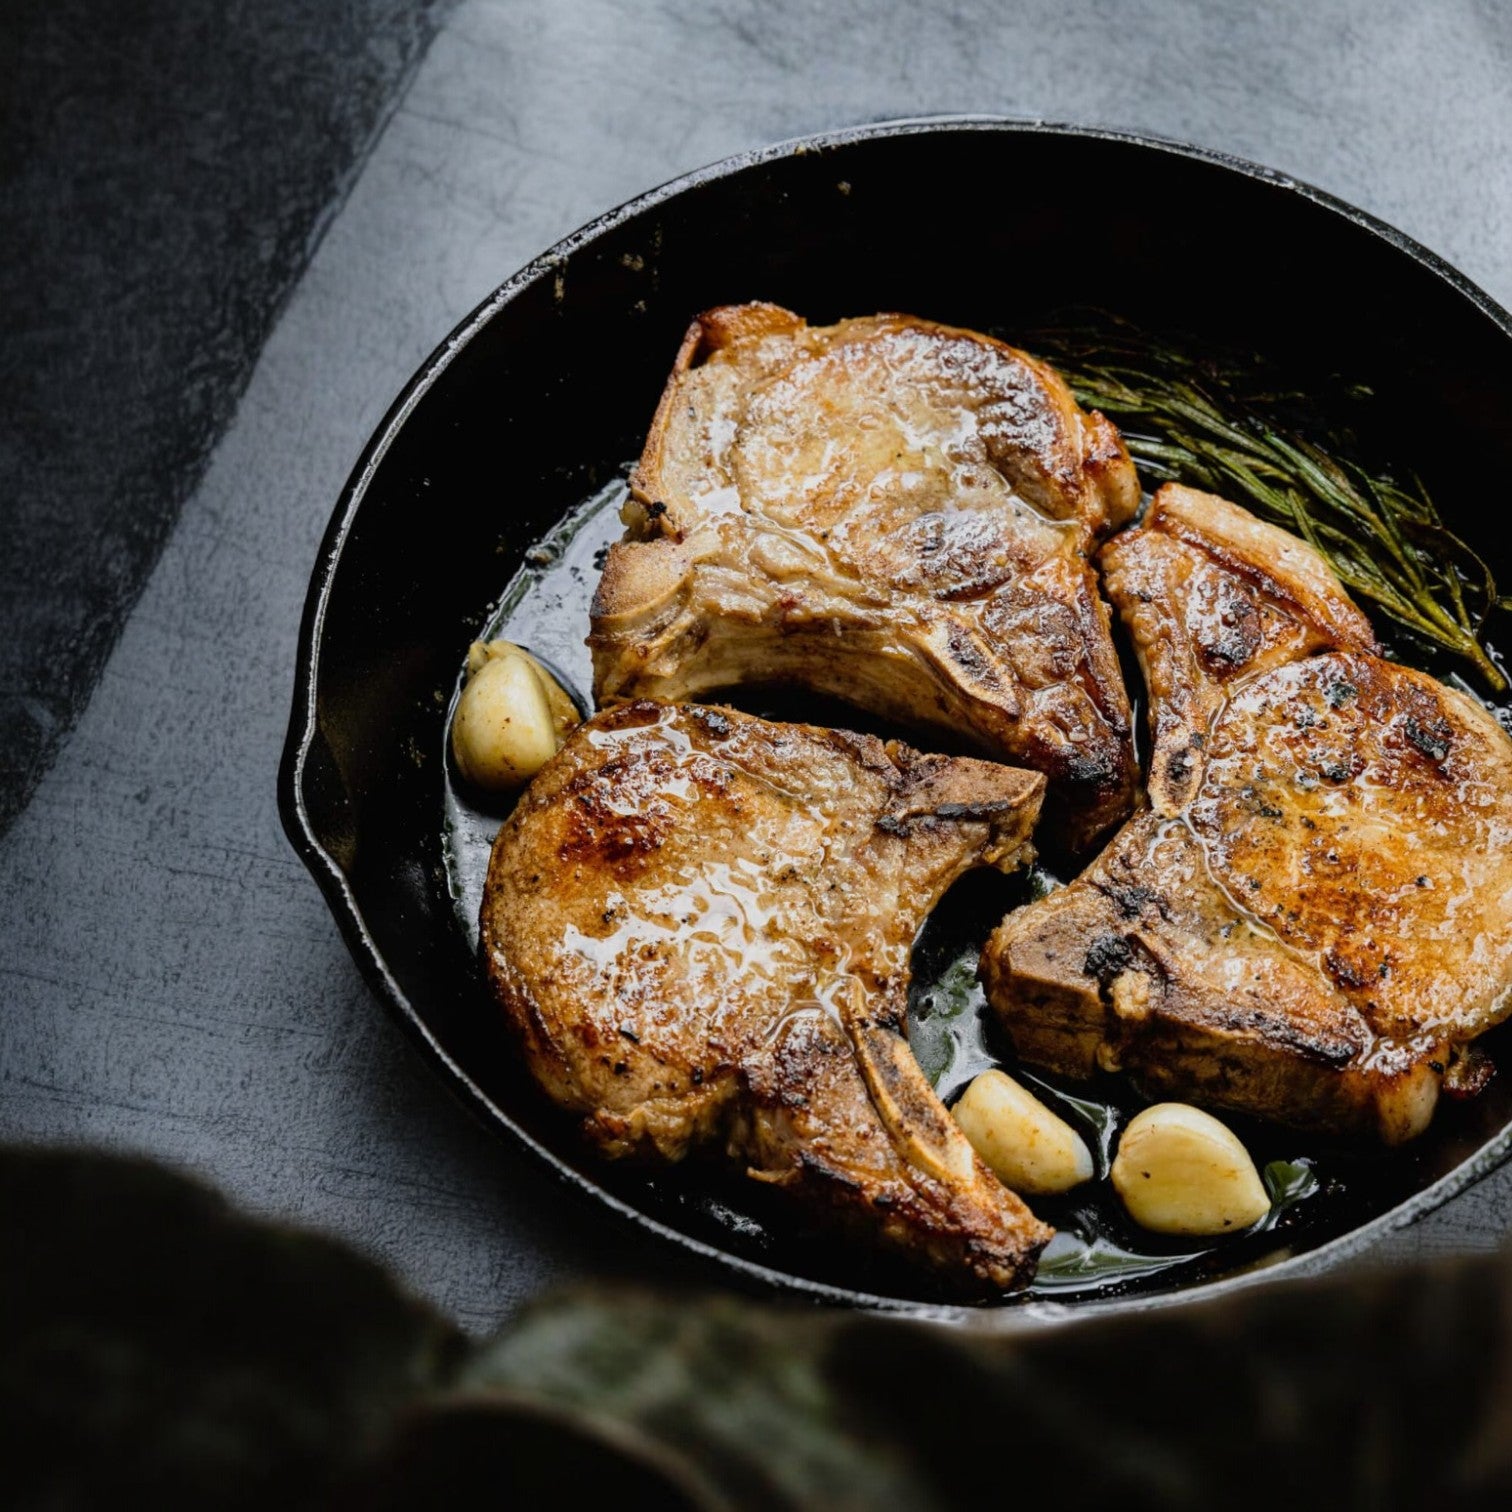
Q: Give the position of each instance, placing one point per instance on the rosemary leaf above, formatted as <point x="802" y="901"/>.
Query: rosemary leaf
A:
<point x="1208" y="425"/>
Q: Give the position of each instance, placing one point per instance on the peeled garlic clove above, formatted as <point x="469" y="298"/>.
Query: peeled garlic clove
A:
<point x="564" y="712"/>
<point x="1026" y="1146"/>
<point x="1179" y="1171"/>
<point x="504" y="731"/>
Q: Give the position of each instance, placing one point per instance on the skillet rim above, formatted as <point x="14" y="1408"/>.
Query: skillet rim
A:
<point x="360" y="941"/>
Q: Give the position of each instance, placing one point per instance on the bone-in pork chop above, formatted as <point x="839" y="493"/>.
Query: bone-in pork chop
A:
<point x="699" y="924"/>
<point x="1314" y="918"/>
<point x="889" y="511"/>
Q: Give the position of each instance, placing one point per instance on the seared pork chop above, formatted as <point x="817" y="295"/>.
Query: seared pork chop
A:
<point x="889" y="511"/>
<point x="699" y="925"/>
<point x="1315" y="915"/>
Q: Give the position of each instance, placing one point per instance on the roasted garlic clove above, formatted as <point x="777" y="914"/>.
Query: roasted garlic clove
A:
<point x="1179" y="1171"/>
<point x="511" y="719"/>
<point x="1028" y="1147"/>
<point x="564" y="712"/>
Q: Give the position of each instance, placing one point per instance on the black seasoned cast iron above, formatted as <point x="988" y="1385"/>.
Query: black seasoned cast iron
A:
<point x="541" y="395"/>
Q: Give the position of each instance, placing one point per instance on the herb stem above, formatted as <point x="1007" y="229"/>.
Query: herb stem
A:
<point x="1385" y="541"/>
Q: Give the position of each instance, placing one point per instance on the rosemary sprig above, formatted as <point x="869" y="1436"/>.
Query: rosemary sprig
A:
<point x="1201" y="423"/>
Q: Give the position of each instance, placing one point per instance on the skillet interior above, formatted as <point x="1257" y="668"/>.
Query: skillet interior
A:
<point x="545" y="393"/>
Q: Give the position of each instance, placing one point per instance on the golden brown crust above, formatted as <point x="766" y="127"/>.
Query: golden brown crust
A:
<point x="890" y="511"/>
<point x="1210" y="596"/>
<point x="1361" y="811"/>
<point x="1142" y="966"/>
<point x="699" y="925"/>
<point x="1314" y="918"/>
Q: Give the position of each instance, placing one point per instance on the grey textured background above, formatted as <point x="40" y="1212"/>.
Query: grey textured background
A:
<point x="172" y="982"/>
<point x="164" y="173"/>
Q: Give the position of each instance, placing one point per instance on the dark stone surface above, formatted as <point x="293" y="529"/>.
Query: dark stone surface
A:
<point x="170" y="979"/>
<point x="165" y="173"/>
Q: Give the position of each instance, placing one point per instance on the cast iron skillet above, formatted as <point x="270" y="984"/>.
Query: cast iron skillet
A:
<point x="544" y="392"/>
